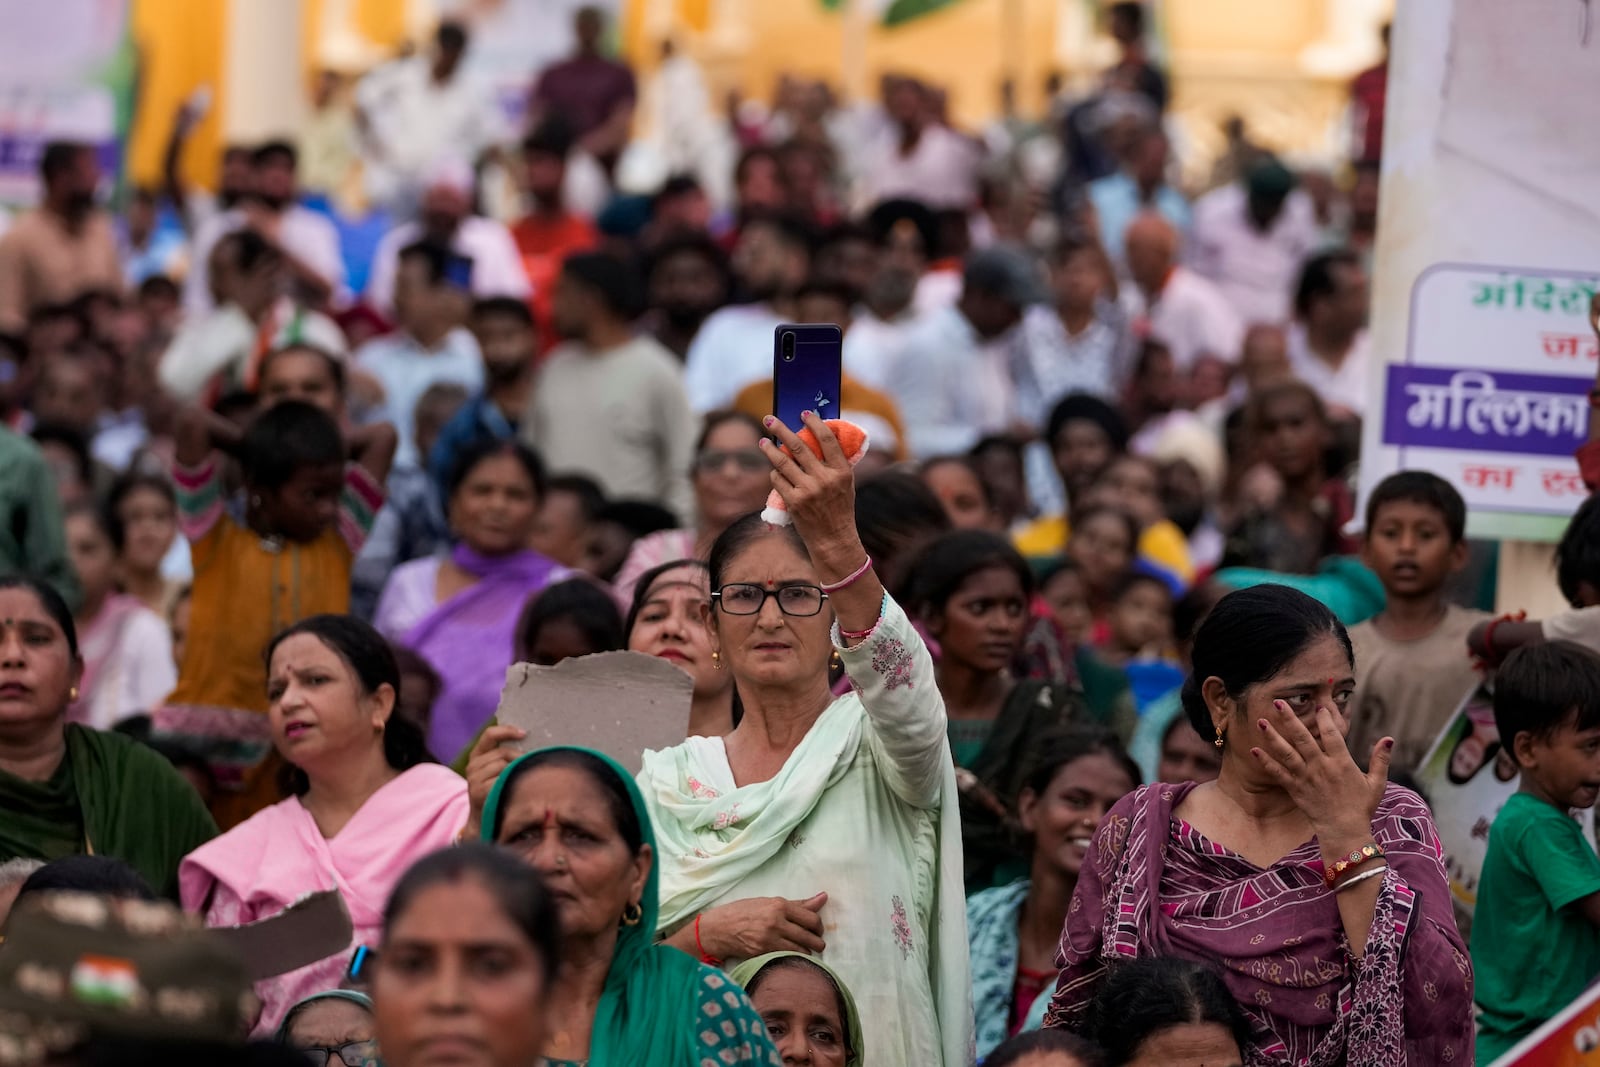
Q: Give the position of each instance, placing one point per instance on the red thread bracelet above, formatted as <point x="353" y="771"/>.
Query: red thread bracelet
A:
<point x="705" y="957"/>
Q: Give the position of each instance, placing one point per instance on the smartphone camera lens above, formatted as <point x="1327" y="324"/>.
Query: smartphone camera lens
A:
<point x="788" y="347"/>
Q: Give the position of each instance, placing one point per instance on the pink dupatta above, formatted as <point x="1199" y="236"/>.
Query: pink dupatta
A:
<point x="278" y="856"/>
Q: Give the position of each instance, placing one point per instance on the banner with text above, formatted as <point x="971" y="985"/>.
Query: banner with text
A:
<point x="1488" y="254"/>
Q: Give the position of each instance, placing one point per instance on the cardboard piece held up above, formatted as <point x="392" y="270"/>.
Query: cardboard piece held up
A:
<point x="312" y="928"/>
<point x="619" y="703"/>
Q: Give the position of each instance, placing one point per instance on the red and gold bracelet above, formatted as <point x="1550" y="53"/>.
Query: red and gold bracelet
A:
<point x="1370" y="851"/>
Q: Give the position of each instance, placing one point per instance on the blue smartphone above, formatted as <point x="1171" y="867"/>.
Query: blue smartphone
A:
<point x="458" y="271"/>
<point x="807" y="362"/>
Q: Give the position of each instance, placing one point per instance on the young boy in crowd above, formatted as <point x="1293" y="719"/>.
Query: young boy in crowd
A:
<point x="1412" y="667"/>
<point x="1578" y="575"/>
<point x="1536" y="927"/>
<point x="311" y="498"/>
<point x="1139" y="640"/>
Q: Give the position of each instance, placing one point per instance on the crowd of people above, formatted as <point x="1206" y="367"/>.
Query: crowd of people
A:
<point x="1075" y="723"/>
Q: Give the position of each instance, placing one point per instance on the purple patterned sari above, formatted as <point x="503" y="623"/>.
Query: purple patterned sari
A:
<point x="469" y="641"/>
<point x="1154" y="886"/>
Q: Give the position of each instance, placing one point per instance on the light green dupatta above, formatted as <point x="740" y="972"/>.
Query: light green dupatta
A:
<point x="649" y="1009"/>
<point x="745" y="974"/>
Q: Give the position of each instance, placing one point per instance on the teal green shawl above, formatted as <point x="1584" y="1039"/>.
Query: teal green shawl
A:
<point x="746" y="972"/>
<point x="359" y="999"/>
<point x="649" y="1009"/>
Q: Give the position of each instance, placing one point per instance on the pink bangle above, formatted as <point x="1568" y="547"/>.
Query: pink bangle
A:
<point x="851" y="579"/>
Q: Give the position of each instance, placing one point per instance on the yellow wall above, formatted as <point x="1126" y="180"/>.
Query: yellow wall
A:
<point x="181" y="49"/>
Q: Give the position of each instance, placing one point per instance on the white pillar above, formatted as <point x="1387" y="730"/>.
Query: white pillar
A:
<point x="263" y="70"/>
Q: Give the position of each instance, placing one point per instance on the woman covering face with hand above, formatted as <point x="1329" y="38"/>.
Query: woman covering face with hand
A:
<point x="619" y="998"/>
<point x="823" y="826"/>
<point x="1318" y="886"/>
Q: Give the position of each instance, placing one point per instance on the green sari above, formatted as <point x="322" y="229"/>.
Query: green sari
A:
<point x="110" y="797"/>
<point x="653" y="1008"/>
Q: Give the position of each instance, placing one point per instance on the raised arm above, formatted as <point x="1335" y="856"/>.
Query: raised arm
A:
<point x="885" y="658"/>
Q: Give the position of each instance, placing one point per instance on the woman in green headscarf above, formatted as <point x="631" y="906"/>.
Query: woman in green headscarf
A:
<point x="810" y="1014"/>
<point x="620" y="998"/>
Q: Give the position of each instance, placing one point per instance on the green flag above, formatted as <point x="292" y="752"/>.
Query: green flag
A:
<point x="894" y="12"/>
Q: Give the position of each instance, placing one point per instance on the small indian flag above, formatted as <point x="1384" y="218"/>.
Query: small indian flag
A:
<point x="105" y="980"/>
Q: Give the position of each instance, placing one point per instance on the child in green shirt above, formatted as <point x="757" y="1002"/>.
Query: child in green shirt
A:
<point x="1536" y="928"/>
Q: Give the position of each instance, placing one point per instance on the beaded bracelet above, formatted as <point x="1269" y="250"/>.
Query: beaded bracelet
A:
<point x="1362" y="877"/>
<point x="1361" y="855"/>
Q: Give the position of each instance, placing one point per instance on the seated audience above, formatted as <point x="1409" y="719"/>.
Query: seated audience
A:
<point x="90" y="792"/>
<point x="128" y="667"/>
<point x="1073" y="779"/>
<point x="366" y="801"/>
<point x="460" y="612"/>
<point x="579" y="819"/>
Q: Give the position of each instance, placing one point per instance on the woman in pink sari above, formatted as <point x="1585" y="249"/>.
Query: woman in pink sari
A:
<point x="368" y="800"/>
<point x="460" y="612"/>
<point x="1318" y="887"/>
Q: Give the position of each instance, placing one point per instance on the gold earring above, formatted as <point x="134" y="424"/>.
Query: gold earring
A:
<point x="716" y="660"/>
<point x="836" y="660"/>
<point x="632" y="914"/>
<point x="1219" y="737"/>
<point x="74" y="694"/>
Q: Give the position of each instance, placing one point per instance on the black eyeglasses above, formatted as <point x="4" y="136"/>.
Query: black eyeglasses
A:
<point x="739" y="598"/>
<point x="747" y="460"/>
<point x="351" y="1054"/>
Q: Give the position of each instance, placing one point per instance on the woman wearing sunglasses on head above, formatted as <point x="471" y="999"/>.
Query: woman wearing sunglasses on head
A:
<point x="818" y="825"/>
<point x="731" y="478"/>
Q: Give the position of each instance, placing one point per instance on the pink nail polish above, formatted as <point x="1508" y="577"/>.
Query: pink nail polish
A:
<point x="768" y="421"/>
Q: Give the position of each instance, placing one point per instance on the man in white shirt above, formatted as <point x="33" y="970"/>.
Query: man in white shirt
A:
<point x="921" y="158"/>
<point x="1329" y="348"/>
<point x="308" y="240"/>
<point x="906" y="234"/>
<point x="430" y="346"/>
<point x="1250" y="239"/>
<point x="734" y="347"/>
<point x="446" y="218"/>
<point x="1184" y="311"/>
<point x="952" y="379"/>
<point x="418" y="110"/>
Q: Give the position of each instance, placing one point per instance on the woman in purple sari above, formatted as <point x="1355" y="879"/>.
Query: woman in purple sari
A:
<point x="459" y="612"/>
<point x="1317" y="887"/>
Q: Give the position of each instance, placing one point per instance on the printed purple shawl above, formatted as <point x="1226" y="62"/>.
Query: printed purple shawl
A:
<point x="1153" y="886"/>
<point x="469" y="641"/>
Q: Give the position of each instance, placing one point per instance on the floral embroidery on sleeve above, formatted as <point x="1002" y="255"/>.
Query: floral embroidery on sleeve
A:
<point x="902" y="927"/>
<point x="892" y="659"/>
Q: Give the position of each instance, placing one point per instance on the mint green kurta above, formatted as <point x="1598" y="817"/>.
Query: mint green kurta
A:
<point x="865" y="810"/>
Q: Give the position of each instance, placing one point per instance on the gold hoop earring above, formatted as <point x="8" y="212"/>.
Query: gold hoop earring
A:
<point x="632" y="915"/>
<point x="716" y="660"/>
<point x="1218" y="742"/>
